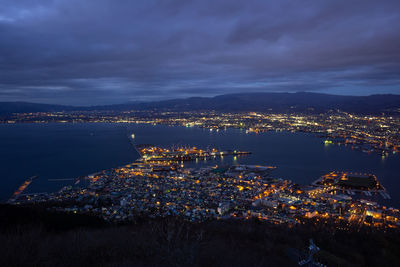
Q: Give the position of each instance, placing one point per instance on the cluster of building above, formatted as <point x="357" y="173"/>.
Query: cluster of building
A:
<point x="370" y="134"/>
<point x="160" y="188"/>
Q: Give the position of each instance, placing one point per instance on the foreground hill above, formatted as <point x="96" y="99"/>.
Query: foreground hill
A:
<point x="262" y="102"/>
<point x="34" y="237"/>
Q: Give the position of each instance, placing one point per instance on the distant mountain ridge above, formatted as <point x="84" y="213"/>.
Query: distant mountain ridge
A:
<point x="261" y="102"/>
<point x="27" y="107"/>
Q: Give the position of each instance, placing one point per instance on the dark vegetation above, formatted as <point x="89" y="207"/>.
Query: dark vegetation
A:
<point x="30" y="236"/>
<point x="261" y="102"/>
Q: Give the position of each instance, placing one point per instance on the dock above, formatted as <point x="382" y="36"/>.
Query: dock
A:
<point x="131" y="138"/>
<point x="21" y="189"/>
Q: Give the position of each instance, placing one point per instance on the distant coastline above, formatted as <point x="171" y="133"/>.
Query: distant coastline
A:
<point x="262" y="102"/>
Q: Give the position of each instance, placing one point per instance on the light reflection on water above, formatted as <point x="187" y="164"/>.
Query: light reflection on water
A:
<point x="71" y="150"/>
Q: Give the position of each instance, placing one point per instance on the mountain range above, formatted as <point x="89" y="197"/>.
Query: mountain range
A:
<point x="260" y="102"/>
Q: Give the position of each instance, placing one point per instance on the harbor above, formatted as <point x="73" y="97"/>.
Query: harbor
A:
<point x="153" y="153"/>
<point x="157" y="185"/>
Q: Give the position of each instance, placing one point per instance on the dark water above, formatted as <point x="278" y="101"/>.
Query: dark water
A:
<point x="58" y="151"/>
<point x="70" y="150"/>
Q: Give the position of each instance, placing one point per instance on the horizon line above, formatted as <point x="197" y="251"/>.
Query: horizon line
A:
<point x="183" y="98"/>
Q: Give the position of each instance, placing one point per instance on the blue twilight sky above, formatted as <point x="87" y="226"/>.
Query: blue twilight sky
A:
<point x="86" y="52"/>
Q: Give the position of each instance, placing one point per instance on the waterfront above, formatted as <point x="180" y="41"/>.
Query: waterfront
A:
<point x="70" y="150"/>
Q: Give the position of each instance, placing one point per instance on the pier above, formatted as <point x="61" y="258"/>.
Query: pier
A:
<point x="131" y="138"/>
<point x="21" y="189"/>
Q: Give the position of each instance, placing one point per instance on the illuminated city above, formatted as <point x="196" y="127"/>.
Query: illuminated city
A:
<point x="369" y="134"/>
<point x="199" y="133"/>
<point x="158" y="185"/>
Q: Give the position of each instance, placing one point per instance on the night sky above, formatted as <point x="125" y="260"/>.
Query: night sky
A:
<point x="88" y="52"/>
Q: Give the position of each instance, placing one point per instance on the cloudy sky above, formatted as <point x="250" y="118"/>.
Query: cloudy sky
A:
<point x="87" y="52"/>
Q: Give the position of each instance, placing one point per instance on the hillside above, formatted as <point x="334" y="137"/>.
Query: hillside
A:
<point x="34" y="237"/>
<point x="262" y="102"/>
<point x="26" y="107"/>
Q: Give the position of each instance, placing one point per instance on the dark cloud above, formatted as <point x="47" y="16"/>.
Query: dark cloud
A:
<point x="103" y="51"/>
